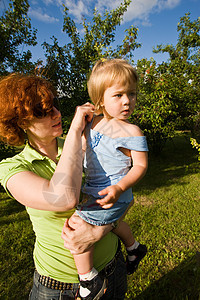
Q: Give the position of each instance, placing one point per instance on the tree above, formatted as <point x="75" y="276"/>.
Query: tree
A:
<point x="183" y="70"/>
<point x="169" y="93"/>
<point x="155" y="111"/>
<point x="69" y="65"/>
<point x="15" y="32"/>
<point x="195" y="145"/>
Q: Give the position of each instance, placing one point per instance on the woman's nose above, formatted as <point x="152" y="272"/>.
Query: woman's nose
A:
<point x="55" y="112"/>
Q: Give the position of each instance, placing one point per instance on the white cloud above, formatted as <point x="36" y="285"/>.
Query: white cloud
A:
<point x="171" y="3"/>
<point x="137" y="10"/>
<point x="78" y="8"/>
<point x="140" y="9"/>
<point x="47" y="2"/>
<point x="41" y="16"/>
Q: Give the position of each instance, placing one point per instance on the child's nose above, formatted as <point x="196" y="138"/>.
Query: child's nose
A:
<point x="126" y="99"/>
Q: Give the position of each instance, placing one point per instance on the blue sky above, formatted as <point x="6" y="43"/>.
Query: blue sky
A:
<point x="156" y="19"/>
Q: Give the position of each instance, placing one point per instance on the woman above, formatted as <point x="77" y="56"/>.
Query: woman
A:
<point x="46" y="178"/>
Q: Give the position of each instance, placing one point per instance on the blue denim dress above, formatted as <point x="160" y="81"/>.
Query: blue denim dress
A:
<point x="106" y="165"/>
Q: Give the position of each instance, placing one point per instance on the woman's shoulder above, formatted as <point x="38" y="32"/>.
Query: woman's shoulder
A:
<point x="12" y="162"/>
<point x="10" y="166"/>
<point x="13" y="158"/>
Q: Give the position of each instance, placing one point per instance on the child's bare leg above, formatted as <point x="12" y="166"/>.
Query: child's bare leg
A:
<point x="135" y="250"/>
<point x="124" y="232"/>
<point x="84" y="261"/>
<point x="90" y="285"/>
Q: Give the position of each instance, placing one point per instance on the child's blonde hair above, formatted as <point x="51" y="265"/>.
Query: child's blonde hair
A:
<point x="104" y="73"/>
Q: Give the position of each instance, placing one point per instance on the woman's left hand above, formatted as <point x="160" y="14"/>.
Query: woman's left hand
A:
<point x="83" y="114"/>
<point x="83" y="235"/>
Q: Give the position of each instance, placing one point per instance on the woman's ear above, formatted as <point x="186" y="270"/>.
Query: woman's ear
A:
<point x="23" y="127"/>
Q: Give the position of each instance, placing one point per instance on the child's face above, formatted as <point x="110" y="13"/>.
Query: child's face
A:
<point x="119" y="101"/>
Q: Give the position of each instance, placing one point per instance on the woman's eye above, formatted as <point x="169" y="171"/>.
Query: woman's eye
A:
<point x="118" y="95"/>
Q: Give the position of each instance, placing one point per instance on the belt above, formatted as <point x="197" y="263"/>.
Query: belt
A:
<point x="54" y="284"/>
<point x="58" y="285"/>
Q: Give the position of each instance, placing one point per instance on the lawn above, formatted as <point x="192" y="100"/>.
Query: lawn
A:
<point x="165" y="217"/>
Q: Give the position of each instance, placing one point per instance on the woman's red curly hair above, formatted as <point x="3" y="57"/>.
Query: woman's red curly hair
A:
<point x="18" y="95"/>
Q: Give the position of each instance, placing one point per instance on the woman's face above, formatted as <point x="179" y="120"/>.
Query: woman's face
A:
<point x="47" y="127"/>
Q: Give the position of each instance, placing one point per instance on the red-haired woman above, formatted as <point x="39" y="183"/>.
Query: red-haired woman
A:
<point x="46" y="178"/>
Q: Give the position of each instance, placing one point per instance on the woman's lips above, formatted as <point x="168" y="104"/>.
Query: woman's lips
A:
<point x="57" y="124"/>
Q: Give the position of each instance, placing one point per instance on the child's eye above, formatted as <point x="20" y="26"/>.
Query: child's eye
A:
<point x="118" y="95"/>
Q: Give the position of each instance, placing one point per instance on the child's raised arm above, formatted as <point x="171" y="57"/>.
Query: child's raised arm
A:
<point x="135" y="174"/>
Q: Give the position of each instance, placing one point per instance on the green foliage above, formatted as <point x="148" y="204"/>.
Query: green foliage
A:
<point x="169" y="93"/>
<point x="195" y="145"/>
<point x="7" y="151"/>
<point x="70" y="64"/>
<point x="15" y="32"/>
<point x="155" y="109"/>
<point x="183" y="69"/>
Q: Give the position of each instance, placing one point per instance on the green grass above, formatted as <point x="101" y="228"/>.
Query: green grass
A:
<point x="16" y="246"/>
<point x="165" y="217"/>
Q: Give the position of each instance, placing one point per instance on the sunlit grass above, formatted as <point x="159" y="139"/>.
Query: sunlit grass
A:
<point x="166" y="217"/>
<point x="16" y="246"/>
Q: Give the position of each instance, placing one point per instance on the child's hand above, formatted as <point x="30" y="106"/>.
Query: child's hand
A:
<point x="112" y="193"/>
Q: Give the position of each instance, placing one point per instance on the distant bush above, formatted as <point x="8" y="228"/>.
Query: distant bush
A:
<point x="195" y="145"/>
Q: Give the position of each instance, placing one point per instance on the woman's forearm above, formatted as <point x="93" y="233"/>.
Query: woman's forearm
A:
<point x="66" y="181"/>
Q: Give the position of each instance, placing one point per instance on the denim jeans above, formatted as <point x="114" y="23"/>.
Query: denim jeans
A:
<point x="117" y="282"/>
<point x="117" y="286"/>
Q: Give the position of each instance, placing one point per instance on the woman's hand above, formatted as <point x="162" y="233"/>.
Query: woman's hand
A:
<point x="79" y="236"/>
<point x="83" y="114"/>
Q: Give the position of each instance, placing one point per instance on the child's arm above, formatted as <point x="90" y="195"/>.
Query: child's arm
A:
<point x="138" y="170"/>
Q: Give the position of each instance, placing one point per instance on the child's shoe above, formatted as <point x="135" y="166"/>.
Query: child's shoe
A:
<point x="97" y="287"/>
<point x="140" y="253"/>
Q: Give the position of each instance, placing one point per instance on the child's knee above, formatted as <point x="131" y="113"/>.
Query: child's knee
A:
<point x="74" y="221"/>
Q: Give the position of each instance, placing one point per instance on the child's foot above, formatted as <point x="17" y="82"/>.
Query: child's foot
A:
<point x="96" y="287"/>
<point x="139" y="253"/>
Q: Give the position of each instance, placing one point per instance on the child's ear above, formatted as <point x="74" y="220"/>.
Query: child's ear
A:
<point x="101" y="103"/>
<point x="98" y="108"/>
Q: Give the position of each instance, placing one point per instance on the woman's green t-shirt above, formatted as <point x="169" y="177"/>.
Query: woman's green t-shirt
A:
<point x="50" y="256"/>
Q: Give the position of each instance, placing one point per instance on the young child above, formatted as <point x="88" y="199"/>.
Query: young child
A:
<point x="115" y="160"/>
